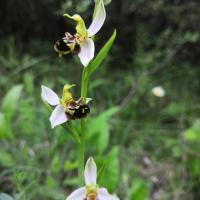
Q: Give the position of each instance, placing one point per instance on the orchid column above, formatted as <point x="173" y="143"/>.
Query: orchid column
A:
<point x="67" y="108"/>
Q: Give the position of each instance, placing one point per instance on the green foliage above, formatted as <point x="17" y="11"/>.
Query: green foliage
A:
<point x="9" y="106"/>
<point x="101" y="55"/>
<point x="6" y="159"/>
<point x="99" y="130"/>
<point x="10" y="101"/>
<point x="156" y="139"/>
<point x="4" y="127"/>
<point x="192" y="137"/>
<point x="140" y="190"/>
<point x="111" y="174"/>
<point x="193" y="134"/>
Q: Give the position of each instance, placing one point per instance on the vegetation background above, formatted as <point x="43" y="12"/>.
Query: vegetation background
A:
<point x="150" y="145"/>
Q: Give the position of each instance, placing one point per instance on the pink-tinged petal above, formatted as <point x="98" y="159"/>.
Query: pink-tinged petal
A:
<point x="86" y="53"/>
<point x="104" y="195"/>
<point x="79" y="194"/>
<point x="90" y="172"/>
<point x="49" y="96"/>
<point x="58" y="116"/>
<point x="98" y="20"/>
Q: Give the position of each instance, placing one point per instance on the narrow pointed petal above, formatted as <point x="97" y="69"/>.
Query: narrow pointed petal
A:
<point x="88" y="100"/>
<point x="104" y="195"/>
<point x="86" y="52"/>
<point x="49" y="96"/>
<point x="98" y="20"/>
<point x="78" y="194"/>
<point x="90" y="172"/>
<point x="58" y="116"/>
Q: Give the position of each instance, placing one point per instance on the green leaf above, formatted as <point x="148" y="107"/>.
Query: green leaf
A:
<point x="45" y="192"/>
<point x="50" y="182"/>
<point x="5" y="130"/>
<point x="99" y="129"/>
<point x="176" y="151"/>
<point x="6" y="159"/>
<point x="102" y="54"/>
<point x="56" y="164"/>
<point x="173" y="109"/>
<point x="10" y="101"/>
<point x="70" y="165"/>
<point x="4" y="196"/>
<point x="71" y="182"/>
<point x="101" y="171"/>
<point x="196" y="127"/>
<point x="193" y="134"/>
<point x="190" y="135"/>
<point x="28" y="83"/>
<point x="191" y="37"/>
<point x="110" y="177"/>
<point x="140" y="190"/>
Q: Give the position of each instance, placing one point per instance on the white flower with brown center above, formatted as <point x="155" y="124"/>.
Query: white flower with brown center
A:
<point x="81" y="42"/>
<point x="65" y="108"/>
<point x="91" y="191"/>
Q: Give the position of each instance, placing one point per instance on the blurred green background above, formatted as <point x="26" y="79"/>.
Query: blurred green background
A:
<point x="149" y="145"/>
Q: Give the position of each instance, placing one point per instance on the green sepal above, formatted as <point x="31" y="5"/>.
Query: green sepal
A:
<point x="80" y="27"/>
<point x="67" y="96"/>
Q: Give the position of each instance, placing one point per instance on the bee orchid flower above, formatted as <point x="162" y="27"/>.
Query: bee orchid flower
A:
<point x="91" y="191"/>
<point x="81" y="42"/>
<point x="66" y="108"/>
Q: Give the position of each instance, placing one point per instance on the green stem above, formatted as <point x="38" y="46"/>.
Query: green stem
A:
<point x="74" y="132"/>
<point x="84" y="84"/>
<point x="81" y="153"/>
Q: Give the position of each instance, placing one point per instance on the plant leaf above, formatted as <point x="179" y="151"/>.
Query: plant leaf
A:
<point x="102" y="54"/>
<point x="5" y="128"/>
<point x="140" y="190"/>
<point x="6" y="159"/>
<point x="10" y="101"/>
<point x="110" y="177"/>
<point x="101" y="171"/>
<point x="99" y="129"/>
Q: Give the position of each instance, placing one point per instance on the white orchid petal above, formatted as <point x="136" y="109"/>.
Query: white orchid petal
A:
<point x="98" y="20"/>
<point x="78" y="194"/>
<point x="49" y="95"/>
<point x="90" y="172"/>
<point x="58" y="116"/>
<point x="104" y="195"/>
<point x="87" y="51"/>
<point x="88" y="100"/>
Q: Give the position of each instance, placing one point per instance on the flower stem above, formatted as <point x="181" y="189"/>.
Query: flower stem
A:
<point x="74" y="132"/>
<point x="81" y="156"/>
<point x="81" y="153"/>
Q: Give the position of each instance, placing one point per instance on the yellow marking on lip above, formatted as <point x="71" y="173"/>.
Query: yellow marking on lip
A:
<point x="91" y="192"/>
